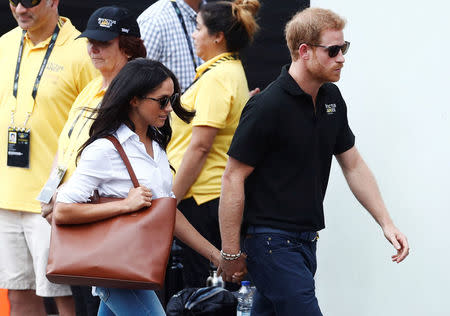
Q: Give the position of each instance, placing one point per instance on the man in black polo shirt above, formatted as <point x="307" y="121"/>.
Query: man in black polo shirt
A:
<point x="277" y="174"/>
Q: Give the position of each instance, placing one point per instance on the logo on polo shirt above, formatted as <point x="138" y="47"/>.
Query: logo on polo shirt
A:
<point x="54" y="67"/>
<point x="331" y="108"/>
<point x="106" y="22"/>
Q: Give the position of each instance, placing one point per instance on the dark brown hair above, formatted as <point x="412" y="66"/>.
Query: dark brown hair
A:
<point x="132" y="46"/>
<point x="235" y="19"/>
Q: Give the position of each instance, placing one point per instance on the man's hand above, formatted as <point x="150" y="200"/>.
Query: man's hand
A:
<point x="398" y="240"/>
<point x="47" y="210"/>
<point x="232" y="270"/>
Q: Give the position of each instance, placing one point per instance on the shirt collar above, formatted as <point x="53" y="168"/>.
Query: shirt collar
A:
<point x="186" y="9"/>
<point x="201" y="69"/>
<point x="288" y="83"/>
<point x="64" y="34"/>
<point x="123" y="133"/>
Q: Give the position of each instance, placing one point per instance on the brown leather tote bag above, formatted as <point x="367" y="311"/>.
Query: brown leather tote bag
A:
<point x="126" y="251"/>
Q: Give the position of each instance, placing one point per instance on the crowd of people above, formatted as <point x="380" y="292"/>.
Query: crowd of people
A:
<point x="249" y="170"/>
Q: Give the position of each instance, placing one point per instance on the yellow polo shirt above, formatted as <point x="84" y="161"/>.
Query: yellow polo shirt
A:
<point x="76" y="130"/>
<point x="218" y="98"/>
<point x="68" y="71"/>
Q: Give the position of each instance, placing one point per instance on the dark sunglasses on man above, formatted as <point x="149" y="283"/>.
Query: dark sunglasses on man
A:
<point x="333" y="50"/>
<point x="164" y="100"/>
<point x="25" y="3"/>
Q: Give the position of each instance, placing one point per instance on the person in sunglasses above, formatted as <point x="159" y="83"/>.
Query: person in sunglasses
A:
<point x="136" y="109"/>
<point x="198" y="150"/>
<point x="43" y="71"/>
<point x="109" y="48"/>
<point x="278" y="168"/>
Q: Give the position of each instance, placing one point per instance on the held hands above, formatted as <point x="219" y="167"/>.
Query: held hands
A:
<point x="138" y="198"/>
<point x="216" y="260"/>
<point x="232" y="270"/>
<point x="398" y="240"/>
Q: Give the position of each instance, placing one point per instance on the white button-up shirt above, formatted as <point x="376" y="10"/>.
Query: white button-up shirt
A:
<point x="101" y="168"/>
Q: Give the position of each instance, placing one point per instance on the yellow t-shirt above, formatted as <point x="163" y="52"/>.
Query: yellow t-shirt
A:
<point x="76" y="130"/>
<point x="218" y="98"/>
<point x="68" y="71"/>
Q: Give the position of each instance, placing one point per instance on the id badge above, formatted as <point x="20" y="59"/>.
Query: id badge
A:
<point x="18" y="148"/>
<point x="51" y="185"/>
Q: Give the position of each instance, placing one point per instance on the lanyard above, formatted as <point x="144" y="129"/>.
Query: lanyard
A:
<point x="180" y="17"/>
<point x="51" y="45"/>
<point x="68" y="154"/>
<point x="69" y="134"/>
<point x="220" y="60"/>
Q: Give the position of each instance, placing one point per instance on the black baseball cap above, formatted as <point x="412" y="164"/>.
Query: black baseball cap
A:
<point x="107" y="23"/>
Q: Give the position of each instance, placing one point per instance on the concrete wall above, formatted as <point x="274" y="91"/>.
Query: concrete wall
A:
<point x="395" y="82"/>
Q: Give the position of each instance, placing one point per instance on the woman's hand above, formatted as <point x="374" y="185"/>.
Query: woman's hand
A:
<point x="137" y="199"/>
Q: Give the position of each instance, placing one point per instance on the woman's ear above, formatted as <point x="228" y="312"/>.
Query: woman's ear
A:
<point x="135" y="101"/>
<point x="219" y="37"/>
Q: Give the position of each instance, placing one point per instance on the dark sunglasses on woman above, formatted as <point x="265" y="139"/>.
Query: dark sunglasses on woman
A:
<point x="164" y="100"/>
<point x="25" y="3"/>
<point x="333" y="50"/>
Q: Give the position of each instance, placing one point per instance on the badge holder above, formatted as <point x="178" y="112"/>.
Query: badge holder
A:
<point x="18" y="147"/>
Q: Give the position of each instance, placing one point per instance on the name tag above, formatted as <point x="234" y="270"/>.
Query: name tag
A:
<point x="18" y="148"/>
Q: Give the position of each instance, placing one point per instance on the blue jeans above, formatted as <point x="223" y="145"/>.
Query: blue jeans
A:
<point x="126" y="302"/>
<point x="282" y="265"/>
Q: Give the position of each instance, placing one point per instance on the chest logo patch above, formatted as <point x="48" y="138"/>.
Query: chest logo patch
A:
<point x="330" y="108"/>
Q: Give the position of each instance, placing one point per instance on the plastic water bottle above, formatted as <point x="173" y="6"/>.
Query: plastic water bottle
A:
<point x="245" y="299"/>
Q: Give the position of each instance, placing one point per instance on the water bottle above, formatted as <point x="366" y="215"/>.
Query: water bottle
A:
<point x="213" y="279"/>
<point x="245" y="299"/>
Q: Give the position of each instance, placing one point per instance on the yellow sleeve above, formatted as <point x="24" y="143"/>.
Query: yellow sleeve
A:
<point x="213" y="101"/>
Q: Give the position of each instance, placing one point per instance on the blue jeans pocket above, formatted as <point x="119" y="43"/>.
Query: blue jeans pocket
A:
<point x="276" y="243"/>
<point x="269" y="244"/>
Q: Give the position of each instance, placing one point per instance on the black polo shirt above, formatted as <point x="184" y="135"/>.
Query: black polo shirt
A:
<point x="291" y="147"/>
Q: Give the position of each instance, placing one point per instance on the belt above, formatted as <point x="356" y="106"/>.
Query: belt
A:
<point x="307" y="236"/>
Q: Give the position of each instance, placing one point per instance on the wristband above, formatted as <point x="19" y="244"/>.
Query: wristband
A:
<point x="229" y="256"/>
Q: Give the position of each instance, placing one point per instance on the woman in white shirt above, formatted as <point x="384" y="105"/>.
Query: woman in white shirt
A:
<point x="135" y="109"/>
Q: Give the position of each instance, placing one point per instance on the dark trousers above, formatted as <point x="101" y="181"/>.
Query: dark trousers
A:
<point x="205" y="219"/>
<point x="85" y="303"/>
<point x="282" y="266"/>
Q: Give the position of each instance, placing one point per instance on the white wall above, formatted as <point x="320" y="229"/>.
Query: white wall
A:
<point x="396" y="85"/>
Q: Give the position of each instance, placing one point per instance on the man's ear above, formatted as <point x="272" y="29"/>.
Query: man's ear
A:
<point x="54" y="4"/>
<point x="304" y="52"/>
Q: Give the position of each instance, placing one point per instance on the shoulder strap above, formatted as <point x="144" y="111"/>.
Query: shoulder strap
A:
<point x="124" y="157"/>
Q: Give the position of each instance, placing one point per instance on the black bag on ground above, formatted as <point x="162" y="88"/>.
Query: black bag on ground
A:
<point x="205" y="301"/>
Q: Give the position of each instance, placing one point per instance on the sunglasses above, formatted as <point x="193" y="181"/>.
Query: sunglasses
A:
<point x="164" y="100"/>
<point x="25" y="3"/>
<point x="333" y="50"/>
